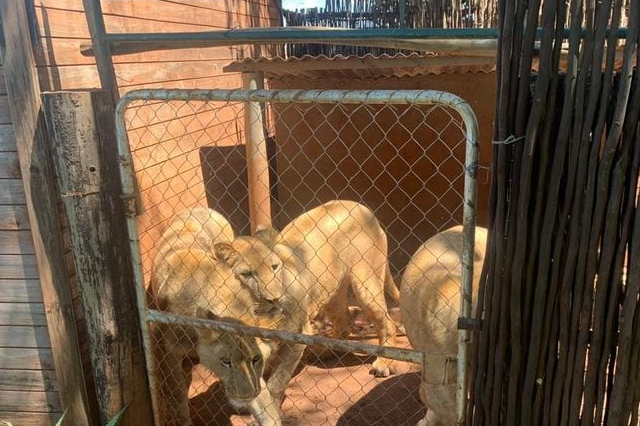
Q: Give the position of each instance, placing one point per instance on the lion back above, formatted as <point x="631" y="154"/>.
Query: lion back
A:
<point x="430" y="307"/>
<point x="430" y="290"/>
<point x="192" y="231"/>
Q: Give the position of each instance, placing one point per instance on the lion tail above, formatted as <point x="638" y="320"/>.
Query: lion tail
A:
<point x="390" y="286"/>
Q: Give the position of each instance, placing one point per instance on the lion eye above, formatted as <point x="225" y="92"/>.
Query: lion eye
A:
<point x="256" y="359"/>
<point x="247" y="274"/>
<point x="226" y="361"/>
<point x="275" y="266"/>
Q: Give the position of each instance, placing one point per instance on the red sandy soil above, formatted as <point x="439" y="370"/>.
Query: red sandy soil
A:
<point x="330" y="389"/>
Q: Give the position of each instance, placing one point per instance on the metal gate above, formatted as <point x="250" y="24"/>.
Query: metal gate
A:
<point x="269" y="156"/>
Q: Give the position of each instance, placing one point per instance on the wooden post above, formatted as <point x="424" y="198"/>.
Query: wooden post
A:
<point x="257" y="159"/>
<point x="82" y="129"/>
<point x="41" y="198"/>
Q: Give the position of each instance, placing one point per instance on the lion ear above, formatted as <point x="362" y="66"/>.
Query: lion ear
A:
<point x="283" y="251"/>
<point x="225" y="253"/>
<point x="205" y="313"/>
<point x="267" y="234"/>
<point x="203" y="333"/>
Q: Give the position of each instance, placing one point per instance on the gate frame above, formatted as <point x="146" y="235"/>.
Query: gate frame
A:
<point x="130" y="196"/>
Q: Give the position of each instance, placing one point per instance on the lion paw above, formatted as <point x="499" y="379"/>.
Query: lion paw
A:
<point x="382" y="368"/>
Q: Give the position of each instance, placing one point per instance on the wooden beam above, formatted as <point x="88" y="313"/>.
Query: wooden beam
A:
<point x="257" y="159"/>
<point x="41" y="199"/>
<point x="85" y="156"/>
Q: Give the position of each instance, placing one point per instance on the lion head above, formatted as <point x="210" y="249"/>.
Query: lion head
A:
<point x="259" y="270"/>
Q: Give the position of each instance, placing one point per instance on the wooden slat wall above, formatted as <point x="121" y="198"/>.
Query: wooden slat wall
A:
<point x="28" y="392"/>
<point x="62" y="27"/>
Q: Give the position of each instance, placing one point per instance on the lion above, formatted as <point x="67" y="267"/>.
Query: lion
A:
<point x="326" y="252"/>
<point x="430" y="308"/>
<point x="201" y="270"/>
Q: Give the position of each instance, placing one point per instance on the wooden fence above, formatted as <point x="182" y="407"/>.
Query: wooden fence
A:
<point x="559" y="292"/>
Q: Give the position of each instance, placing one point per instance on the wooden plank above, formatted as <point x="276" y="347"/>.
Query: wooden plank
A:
<point x="29" y="419"/>
<point x="9" y="165"/>
<point x="75" y="77"/>
<point x="7" y="140"/>
<point x="38" y="402"/>
<point x="16" y="242"/>
<point x="18" y="266"/>
<point x="86" y="161"/>
<point x="211" y="14"/>
<point x="40" y="193"/>
<point x="74" y="24"/>
<point x="184" y="75"/>
<point x="3" y="86"/>
<point x="130" y="74"/>
<point x="5" y="113"/>
<point x="27" y="380"/>
<point x="29" y="314"/>
<point x="24" y="337"/>
<point x="12" y="192"/>
<point x="20" y="291"/>
<point x="26" y="359"/>
<point x="225" y="81"/>
<point x="14" y="218"/>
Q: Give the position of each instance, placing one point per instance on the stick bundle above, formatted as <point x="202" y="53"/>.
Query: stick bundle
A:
<point x="559" y="296"/>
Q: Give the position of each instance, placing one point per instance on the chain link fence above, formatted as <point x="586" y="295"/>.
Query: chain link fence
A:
<point x="353" y="183"/>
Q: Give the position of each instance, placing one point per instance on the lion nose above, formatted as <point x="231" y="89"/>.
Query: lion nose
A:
<point x="276" y="305"/>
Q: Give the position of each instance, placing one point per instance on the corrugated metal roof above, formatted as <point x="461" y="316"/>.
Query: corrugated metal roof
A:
<point x="364" y="67"/>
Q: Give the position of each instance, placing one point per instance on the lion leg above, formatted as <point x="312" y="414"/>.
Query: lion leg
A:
<point x="264" y="409"/>
<point x="174" y="385"/>
<point x="424" y="398"/>
<point x="368" y="287"/>
<point x="286" y="359"/>
<point x="338" y="313"/>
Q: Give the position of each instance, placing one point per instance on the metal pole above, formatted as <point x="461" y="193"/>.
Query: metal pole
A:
<point x="130" y="195"/>
<point x="468" y="241"/>
<point x="402" y="13"/>
<point x="257" y="159"/>
<point x="400" y="354"/>
<point x="300" y="35"/>
<point x="101" y="47"/>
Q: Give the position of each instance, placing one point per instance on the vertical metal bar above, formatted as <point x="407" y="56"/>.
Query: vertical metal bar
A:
<point x="402" y="13"/>
<point x="469" y="232"/>
<point x="257" y="159"/>
<point x="101" y="47"/>
<point x="130" y="194"/>
<point x="104" y="62"/>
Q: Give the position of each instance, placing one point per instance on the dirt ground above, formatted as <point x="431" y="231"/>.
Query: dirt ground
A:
<point x="328" y="390"/>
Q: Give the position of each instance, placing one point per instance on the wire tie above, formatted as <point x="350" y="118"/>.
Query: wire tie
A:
<point x="508" y="141"/>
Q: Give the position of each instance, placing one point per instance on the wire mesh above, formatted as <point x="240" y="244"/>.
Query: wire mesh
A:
<point x="398" y="169"/>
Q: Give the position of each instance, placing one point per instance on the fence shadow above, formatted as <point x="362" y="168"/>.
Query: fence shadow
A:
<point x="395" y="401"/>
